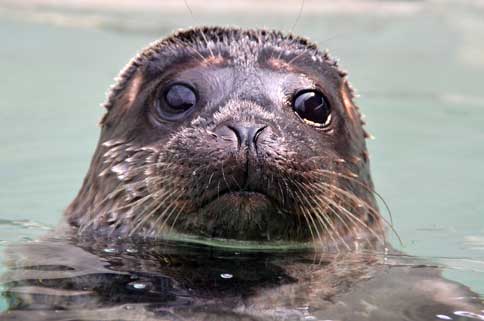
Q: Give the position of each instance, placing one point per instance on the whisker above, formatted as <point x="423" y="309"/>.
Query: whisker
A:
<point x="176" y="217"/>
<point x="308" y="224"/>
<point x="303" y="200"/>
<point x="326" y="223"/>
<point x="224" y="178"/>
<point x="173" y="204"/>
<point x="336" y="214"/>
<point x="374" y="211"/>
<point x="368" y="188"/>
<point x="298" y="16"/>
<point x="389" y="223"/>
<point x="152" y="212"/>
<point x="350" y="218"/>
<point x="363" y="224"/>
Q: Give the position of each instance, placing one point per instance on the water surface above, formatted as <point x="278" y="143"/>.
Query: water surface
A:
<point x="418" y="72"/>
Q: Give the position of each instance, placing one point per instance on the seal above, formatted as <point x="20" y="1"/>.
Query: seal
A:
<point x="234" y="134"/>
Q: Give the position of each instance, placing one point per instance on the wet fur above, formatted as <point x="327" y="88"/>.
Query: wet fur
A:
<point x="147" y="179"/>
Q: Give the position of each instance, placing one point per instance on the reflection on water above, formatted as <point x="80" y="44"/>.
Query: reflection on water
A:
<point x="419" y="71"/>
<point x="95" y="279"/>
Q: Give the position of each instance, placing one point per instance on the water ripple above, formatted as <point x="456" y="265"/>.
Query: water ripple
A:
<point x="25" y="224"/>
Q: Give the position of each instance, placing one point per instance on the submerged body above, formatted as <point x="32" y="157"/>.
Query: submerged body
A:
<point x="99" y="279"/>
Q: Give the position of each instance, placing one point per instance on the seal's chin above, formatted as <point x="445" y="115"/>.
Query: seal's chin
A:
<point x="245" y="202"/>
<point x="241" y="215"/>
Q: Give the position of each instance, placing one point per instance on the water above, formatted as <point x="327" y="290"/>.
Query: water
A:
<point x="418" y="68"/>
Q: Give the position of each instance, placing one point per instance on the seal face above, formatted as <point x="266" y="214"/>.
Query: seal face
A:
<point x="231" y="133"/>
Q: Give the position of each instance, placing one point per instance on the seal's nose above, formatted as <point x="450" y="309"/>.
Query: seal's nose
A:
<point x="247" y="134"/>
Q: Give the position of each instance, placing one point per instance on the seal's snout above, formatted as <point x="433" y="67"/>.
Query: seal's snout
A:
<point x="241" y="160"/>
<point x="247" y="134"/>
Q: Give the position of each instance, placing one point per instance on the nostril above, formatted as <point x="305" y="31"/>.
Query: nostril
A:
<point x="247" y="134"/>
<point x="239" y="131"/>
<point x="227" y="133"/>
<point x="258" y="131"/>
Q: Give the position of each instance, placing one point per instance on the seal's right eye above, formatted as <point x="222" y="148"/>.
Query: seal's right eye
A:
<point x="175" y="100"/>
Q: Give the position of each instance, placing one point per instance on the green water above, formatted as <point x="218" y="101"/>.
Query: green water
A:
<point x="420" y="76"/>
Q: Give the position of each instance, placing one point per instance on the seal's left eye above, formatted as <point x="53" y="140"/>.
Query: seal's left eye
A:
<point x="312" y="107"/>
<point x="180" y="98"/>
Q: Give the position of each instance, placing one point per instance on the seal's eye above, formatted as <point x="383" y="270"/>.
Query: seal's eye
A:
<point x="175" y="101"/>
<point x="180" y="97"/>
<point x="312" y="107"/>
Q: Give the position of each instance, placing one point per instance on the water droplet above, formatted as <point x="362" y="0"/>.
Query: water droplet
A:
<point x="469" y="315"/>
<point x="110" y="250"/>
<point x="137" y="285"/>
<point x="226" y="276"/>
<point x="131" y="250"/>
<point x="443" y="317"/>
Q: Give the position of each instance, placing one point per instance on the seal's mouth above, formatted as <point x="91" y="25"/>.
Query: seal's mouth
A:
<point x="239" y="214"/>
<point x="241" y="201"/>
<point x="240" y="195"/>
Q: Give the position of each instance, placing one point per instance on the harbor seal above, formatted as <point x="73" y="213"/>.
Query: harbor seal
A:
<point x="234" y="134"/>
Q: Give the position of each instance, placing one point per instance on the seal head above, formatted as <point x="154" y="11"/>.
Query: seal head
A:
<point x="231" y="133"/>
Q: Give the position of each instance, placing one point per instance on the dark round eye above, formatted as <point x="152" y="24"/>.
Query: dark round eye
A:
<point x="175" y="101"/>
<point x="312" y="107"/>
<point x="179" y="98"/>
